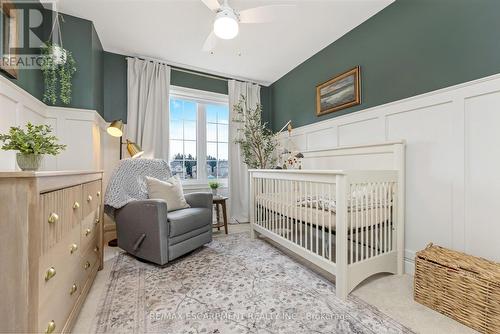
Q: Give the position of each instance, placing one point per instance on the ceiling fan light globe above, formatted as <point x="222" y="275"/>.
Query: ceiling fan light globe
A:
<point x="226" y="27"/>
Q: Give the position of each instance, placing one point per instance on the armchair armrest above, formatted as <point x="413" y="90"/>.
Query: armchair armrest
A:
<point x="199" y="200"/>
<point x="142" y="229"/>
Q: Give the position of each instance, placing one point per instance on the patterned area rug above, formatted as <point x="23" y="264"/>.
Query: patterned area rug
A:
<point x="233" y="285"/>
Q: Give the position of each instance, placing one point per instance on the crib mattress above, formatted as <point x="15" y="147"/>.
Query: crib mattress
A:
<point x="289" y="206"/>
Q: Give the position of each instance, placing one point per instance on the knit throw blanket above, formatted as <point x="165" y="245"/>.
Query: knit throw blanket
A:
<point x="127" y="182"/>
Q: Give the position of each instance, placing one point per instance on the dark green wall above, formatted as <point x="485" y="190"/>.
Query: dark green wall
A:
<point x="81" y="39"/>
<point x="115" y="86"/>
<point x="97" y="55"/>
<point x="194" y="81"/>
<point x="77" y="38"/>
<point x="409" y="48"/>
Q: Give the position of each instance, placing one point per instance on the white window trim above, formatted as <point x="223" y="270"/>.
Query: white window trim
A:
<point x="201" y="131"/>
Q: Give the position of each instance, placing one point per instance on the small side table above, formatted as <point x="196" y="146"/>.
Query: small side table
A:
<point x="220" y="200"/>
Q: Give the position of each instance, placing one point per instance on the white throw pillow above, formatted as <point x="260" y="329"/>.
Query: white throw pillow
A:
<point x="170" y="191"/>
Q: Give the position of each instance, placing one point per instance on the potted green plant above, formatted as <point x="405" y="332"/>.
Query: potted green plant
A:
<point x="214" y="185"/>
<point x="31" y="144"/>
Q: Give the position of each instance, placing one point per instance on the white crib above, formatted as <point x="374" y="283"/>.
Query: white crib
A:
<point x="348" y="222"/>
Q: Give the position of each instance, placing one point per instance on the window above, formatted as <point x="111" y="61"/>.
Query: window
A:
<point x="199" y="124"/>
<point x="217" y="142"/>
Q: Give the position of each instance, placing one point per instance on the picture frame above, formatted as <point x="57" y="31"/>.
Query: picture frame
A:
<point x="340" y="92"/>
<point x="9" y="37"/>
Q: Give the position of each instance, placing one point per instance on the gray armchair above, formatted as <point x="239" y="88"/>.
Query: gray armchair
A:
<point x="146" y="230"/>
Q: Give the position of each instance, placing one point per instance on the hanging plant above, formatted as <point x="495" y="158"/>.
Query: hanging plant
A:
<point x="66" y="72"/>
<point x="58" y="67"/>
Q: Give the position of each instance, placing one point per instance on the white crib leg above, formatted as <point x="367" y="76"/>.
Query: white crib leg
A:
<point x="253" y="234"/>
<point x="341" y="244"/>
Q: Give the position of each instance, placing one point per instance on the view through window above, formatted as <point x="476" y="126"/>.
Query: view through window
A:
<point x="199" y="137"/>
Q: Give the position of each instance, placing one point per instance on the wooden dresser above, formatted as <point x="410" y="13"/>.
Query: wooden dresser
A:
<point x="50" y="247"/>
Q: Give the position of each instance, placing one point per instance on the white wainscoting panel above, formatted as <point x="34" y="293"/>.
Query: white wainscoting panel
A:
<point x="83" y="131"/>
<point x="452" y="162"/>
<point x="482" y="175"/>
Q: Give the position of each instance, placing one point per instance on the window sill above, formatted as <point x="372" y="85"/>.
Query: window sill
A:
<point x="201" y="185"/>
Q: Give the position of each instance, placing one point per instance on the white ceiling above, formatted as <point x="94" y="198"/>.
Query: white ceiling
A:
<point x="175" y="30"/>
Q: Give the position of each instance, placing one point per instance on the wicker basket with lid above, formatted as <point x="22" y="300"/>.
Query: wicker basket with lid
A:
<point x="461" y="286"/>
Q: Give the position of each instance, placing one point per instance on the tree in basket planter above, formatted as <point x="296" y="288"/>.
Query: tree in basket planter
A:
<point x="58" y="67"/>
<point x="258" y="143"/>
<point x="31" y="144"/>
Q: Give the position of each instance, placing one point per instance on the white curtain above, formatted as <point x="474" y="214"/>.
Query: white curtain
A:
<point x="148" y="86"/>
<point x="238" y="172"/>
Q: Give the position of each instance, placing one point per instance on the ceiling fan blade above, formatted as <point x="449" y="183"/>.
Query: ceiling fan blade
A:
<point x="213" y="5"/>
<point x="270" y="13"/>
<point x="210" y="43"/>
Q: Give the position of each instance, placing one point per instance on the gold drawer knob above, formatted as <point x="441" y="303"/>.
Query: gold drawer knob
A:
<point x="73" y="289"/>
<point x="51" y="327"/>
<point x="87" y="265"/>
<point x="97" y="221"/>
<point x="76" y="205"/>
<point x="98" y="194"/>
<point x="96" y="249"/>
<point x="89" y="198"/>
<point x="53" y="218"/>
<point x="87" y="232"/>
<point x="73" y="248"/>
<point x="51" y="272"/>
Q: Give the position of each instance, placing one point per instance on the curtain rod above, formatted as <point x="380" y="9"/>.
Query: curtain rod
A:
<point x="180" y="69"/>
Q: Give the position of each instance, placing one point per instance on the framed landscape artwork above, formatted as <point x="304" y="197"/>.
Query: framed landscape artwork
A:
<point x="340" y="92"/>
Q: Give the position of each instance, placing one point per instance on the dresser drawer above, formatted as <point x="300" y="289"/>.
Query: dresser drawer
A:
<point x="61" y="213"/>
<point x="60" y="266"/>
<point x="91" y="197"/>
<point x="88" y="262"/>
<point x="89" y="230"/>
<point x="61" y="300"/>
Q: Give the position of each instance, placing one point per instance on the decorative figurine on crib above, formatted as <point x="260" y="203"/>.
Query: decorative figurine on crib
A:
<point x="288" y="159"/>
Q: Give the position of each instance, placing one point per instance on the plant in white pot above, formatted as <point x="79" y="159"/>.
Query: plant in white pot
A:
<point x="214" y="185"/>
<point x="31" y="144"/>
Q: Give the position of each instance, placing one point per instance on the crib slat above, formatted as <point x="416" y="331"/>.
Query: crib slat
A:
<point x="377" y="220"/>
<point x="330" y="247"/>
<point x="373" y="222"/>
<point x="311" y="227"/>
<point x="323" y="241"/>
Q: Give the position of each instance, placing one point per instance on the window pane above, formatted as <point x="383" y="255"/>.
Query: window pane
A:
<point x="222" y="133"/>
<point x="211" y="113"/>
<point x="222" y="169"/>
<point x="189" y="110"/>
<point x="190" y="169"/>
<point x="190" y="130"/>
<point x="211" y="169"/>
<point x="211" y="151"/>
<point x="211" y="132"/>
<point x="175" y="109"/>
<point x="176" y="166"/>
<point x="175" y="129"/>
<point x="176" y="149"/>
<point x="222" y="150"/>
<point x="190" y="150"/>
<point x="223" y="114"/>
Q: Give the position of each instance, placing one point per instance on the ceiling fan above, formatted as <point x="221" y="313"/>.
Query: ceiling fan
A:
<point x="227" y="19"/>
